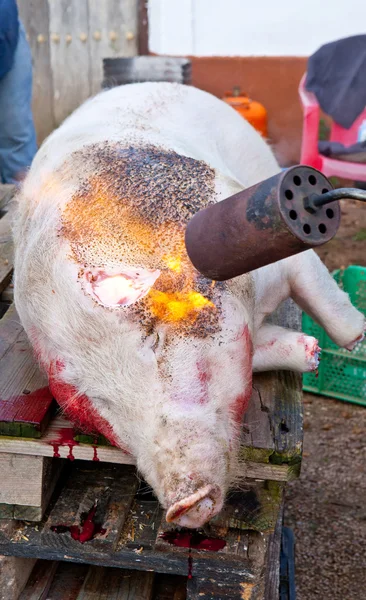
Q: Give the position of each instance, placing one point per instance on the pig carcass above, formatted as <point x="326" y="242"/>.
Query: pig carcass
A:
<point x="136" y="343"/>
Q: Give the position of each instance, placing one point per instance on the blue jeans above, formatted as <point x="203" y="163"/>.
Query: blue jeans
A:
<point x="17" y="134"/>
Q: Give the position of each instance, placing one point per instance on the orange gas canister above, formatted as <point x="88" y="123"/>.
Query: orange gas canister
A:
<point x="252" y="111"/>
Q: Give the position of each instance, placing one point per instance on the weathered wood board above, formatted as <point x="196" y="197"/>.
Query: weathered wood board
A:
<point x="27" y="415"/>
<point x="68" y="41"/>
<point x="14" y="571"/>
<point x="40" y="581"/>
<point x="60" y="581"/>
<point x="6" y="252"/>
<point x="102" y="518"/>
<point x="113" y="28"/>
<point x="7" y="191"/>
<point x="35" y="18"/>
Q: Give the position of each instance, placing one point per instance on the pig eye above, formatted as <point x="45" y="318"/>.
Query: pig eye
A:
<point x="155" y="343"/>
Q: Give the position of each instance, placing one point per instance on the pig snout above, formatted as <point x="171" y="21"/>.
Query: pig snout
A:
<point x="198" y="508"/>
<point x="190" y="473"/>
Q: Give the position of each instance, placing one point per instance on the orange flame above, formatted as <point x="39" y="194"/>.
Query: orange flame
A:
<point x="177" y="306"/>
<point x="174" y="263"/>
<point x="181" y="305"/>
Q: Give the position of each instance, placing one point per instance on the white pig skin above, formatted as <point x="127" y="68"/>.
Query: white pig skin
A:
<point x="101" y="278"/>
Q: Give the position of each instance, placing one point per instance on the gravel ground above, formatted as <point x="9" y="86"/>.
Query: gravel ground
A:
<point x="326" y="507"/>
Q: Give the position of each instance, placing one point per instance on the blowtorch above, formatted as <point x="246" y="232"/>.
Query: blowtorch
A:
<point x="286" y="214"/>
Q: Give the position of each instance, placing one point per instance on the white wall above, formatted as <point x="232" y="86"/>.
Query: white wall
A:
<point x="250" y="27"/>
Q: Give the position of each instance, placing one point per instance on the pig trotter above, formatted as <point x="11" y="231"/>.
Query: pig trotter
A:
<point x="312" y="353"/>
<point x="280" y="348"/>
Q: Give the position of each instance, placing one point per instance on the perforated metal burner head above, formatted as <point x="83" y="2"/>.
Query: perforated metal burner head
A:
<point x="312" y="226"/>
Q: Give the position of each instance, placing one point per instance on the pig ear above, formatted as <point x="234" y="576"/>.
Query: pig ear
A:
<point x="118" y="287"/>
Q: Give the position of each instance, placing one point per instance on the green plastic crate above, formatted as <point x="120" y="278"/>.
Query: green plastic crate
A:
<point x="342" y="374"/>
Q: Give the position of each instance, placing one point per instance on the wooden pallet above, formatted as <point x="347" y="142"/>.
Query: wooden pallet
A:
<point x="101" y="516"/>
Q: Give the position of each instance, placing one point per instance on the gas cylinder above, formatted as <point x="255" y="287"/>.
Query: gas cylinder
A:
<point x="252" y="111"/>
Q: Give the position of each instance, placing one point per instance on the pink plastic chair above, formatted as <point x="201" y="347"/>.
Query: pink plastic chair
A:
<point x="309" y="146"/>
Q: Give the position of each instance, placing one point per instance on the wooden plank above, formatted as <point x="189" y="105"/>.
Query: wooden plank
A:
<point x="7" y="191"/>
<point x="14" y="571"/>
<point x="19" y="370"/>
<point x="35" y="18"/>
<point x="109" y="454"/>
<point x="212" y="588"/>
<point x="93" y="506"/>
<point x="196" y="547"/>
<point x="273" y="423"/>
<point x="141" y="528"/>
<point x="27" y="415"/>
<point x="28" y="541"/>
<point x="211" y="556"/>
<point x="114" y="584"/>
<point x="143" y="27"/>
<point x="10" y="331"/>
<point x="40" y="581"/>
<point x="69" y="55"/>
<point x="6" y="252"/>
<point x="272" y="574"/>
<point x="67" y="582"/>
<point x="113" y="32"/>
<point x="56" y="442"/>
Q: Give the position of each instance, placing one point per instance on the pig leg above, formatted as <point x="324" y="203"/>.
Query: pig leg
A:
<point x="305" y="278"/>
<point x="279" y="348"/>
<point x="316" y="292"/>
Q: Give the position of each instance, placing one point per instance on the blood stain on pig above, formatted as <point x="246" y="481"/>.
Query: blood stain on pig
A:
<point x="204" y="374"/>
<point x="78" y="408"/>
<point x="245" y="356"/>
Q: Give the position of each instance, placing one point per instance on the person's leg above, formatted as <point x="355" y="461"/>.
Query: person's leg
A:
<point x="17" y="134"/>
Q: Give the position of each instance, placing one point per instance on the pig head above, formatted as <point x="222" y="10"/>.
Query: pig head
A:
<point x="136" y="343"/>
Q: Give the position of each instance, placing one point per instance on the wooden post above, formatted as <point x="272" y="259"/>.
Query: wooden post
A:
<point x="27" y="485"/>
